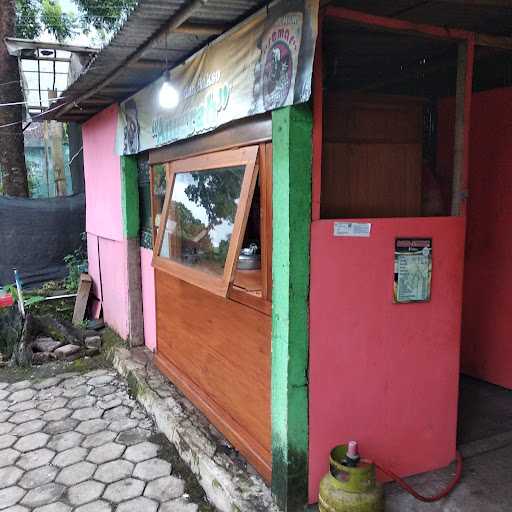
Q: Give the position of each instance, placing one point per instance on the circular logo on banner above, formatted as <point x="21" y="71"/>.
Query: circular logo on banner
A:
<point x="277" y="75"/>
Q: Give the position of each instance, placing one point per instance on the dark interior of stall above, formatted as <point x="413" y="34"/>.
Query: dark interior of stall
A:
<point x="383" y="149"/>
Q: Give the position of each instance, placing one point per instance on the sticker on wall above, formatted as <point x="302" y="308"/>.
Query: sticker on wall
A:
<point x="358" y="229"/>
<point x="413" y="270"/>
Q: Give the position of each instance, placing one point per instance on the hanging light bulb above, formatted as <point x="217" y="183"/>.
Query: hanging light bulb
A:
<point x="168" y="96"/>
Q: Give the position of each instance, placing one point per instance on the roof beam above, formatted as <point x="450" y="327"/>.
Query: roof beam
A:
<point x="200" y="29"/>
<point x="501" y="42"/>
<point x="175" y="21"/>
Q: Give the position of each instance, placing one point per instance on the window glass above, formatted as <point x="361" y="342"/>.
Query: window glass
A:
<point x="201" y="217"/>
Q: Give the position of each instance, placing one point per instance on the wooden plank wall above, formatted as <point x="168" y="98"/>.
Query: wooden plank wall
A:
<point x="217" y="352"/>
<point x="372" y="159"/>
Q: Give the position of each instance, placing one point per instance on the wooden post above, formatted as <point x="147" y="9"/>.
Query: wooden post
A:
<point x="462" y="125"/>
<point x="56" y="141"/>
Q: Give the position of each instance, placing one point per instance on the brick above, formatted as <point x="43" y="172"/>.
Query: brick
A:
<point x="46" y="345"/>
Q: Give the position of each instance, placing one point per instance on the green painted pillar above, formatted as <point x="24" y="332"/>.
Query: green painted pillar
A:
<point x="130" y="210"/>
<point x="292" y="158"/>
<point x="129" y="196"/>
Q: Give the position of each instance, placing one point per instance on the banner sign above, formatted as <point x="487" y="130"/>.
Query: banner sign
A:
<point x="262" y="64"/>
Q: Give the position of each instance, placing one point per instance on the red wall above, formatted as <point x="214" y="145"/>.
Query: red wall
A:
<point x="486" y="344"/>
<point x="381" y="373"/>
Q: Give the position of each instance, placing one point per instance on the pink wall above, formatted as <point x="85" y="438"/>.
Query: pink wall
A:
<point x="102" y="169"/>
<point x="486" y="346"/>
<point x="383" y="374"/>
<point x="148" y="297"/>
<point x="114" y="283"/>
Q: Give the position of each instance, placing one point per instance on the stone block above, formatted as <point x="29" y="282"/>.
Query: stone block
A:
<point x="85" y="492"/>
<point x="93" y="342"/>
<point x="165" y="489"/>
<point x="124" y="490"/>
<point x="45" y="344"/>
<point x="66" y="350"/>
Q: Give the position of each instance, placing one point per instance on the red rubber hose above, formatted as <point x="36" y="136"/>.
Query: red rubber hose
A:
<point x="428" y="499"/>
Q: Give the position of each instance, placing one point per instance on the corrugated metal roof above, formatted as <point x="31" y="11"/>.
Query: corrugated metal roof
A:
<point x="150" y="16"/>
<point x="146" y="19"/>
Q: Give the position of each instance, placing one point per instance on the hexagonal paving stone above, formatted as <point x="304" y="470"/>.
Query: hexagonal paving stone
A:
<point x="48" y="383"/>
<point x="28" y="415"/>
<point x="98" y="439"/>
<point x="22" y="406"/>
<point x="70" y="456"/>
<point x="21" y="396"/>
<point x="5" y="427"/>
<point x="102" y="380"/>
<point x="8" y="457"/>
<point x="85" y="492"/>
<point x="139" y="503"/>
<point x="5" y="415"/>
<point x="29" y="427"/>
<point x="103" y="391"/>
<point x="123" y="490"/>
<point x="76" y="473"/>
<point x="52" y="404"/>
<point x="22" y="384"/>
<point x="95" y="506"/>
<point x="9" y="475"/>
<point x="141" y="451"/>
<point x="32" y="442"/>
<point x="38" y="477"/>
<point x="57" y="414"/>
<point x="54" y="507"/>
<point x="133" y="436"/>
<point x="73" y="382"/>
<point x="35" y="459"/>
<point x="7" y="440"/>
<point x="78" y="391"/>
<point x="109" y="402"/>
<point x="10" y="496"/>
<point x="87" y="413"/>
<point x="165" y="489"/>
<point x="117" y="413"/>
<point x="64" y="441"/>
<point x="43" y="495"/>
<point x="4" y="394"/>
<point x="81" y="402"/>
<point x="151" y="469"/>
<point x="121" y="425"/>
<point x="92" y="426"/>
<point x="46" y="394"/>
<point x="4" y="405"/>
<point x="58" y="427"/>
<point x="113" y="471"/>
<point x="179" y="505"/>
<point x="106" y="453"/>
<point x="96" y="373"/>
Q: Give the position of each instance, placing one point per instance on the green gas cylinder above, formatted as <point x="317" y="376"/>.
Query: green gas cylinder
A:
<point x="350" y="488"/>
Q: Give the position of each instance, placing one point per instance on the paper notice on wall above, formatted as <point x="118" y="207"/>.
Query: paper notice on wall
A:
<point x="413" y="269"/>
<point x="355" y="229"/>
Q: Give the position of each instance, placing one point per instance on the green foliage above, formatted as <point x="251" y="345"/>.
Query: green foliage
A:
<point x="35" y="16"/>
<point x="76" y="263"/>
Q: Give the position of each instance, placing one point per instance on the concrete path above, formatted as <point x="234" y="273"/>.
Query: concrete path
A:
<point x="80" y="443"/>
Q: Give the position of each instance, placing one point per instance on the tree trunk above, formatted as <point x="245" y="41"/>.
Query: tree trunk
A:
<point x="12" y="150"/>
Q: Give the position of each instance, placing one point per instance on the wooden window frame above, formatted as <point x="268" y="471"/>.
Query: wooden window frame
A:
<point x="246" y="157"/>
